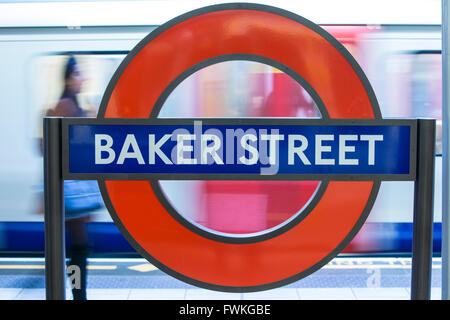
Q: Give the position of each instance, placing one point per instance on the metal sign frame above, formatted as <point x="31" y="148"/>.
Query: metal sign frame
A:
<point x="55" y="171"/>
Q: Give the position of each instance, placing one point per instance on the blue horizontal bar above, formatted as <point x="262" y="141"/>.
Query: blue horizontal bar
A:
<point x="240" y="149"/>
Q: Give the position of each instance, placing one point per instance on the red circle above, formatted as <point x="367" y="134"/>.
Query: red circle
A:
<point x="185" y="43"/>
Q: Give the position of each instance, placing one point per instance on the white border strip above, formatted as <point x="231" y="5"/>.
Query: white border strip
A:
<point x="156" y="12"/>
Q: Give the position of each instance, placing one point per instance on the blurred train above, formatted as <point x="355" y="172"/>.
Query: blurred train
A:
<point x="401" y="59"/>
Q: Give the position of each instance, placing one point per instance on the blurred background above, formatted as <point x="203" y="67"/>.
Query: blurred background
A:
<point x="397" y="44"/>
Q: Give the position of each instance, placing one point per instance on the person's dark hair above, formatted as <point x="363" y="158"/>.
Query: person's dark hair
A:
<point x="70" y="67"/>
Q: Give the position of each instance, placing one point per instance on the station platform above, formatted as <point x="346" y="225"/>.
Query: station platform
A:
<point x="344" y="278"/>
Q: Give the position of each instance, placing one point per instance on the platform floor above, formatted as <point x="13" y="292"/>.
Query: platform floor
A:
<point x="343" y="278"/>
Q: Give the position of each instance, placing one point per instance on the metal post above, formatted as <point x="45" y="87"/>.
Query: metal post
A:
<point x="422" y="247"/>
<point x="445" y="248"/>
<point x="55" y="274"/>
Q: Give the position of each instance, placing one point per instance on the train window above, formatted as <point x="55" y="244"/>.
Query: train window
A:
<point x="413" y="88"/>
<point x="239" y="89"/>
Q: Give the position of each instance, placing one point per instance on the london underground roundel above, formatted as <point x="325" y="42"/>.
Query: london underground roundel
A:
<point x="210" y="35"/>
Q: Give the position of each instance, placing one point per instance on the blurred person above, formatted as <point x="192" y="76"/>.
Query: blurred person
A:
<point x="80" y="197"/>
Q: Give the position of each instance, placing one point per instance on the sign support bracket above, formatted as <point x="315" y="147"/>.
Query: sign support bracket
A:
<point x="55" y="271"/>
<point x="422" y="246"/>
<point x="445" y="242"/>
